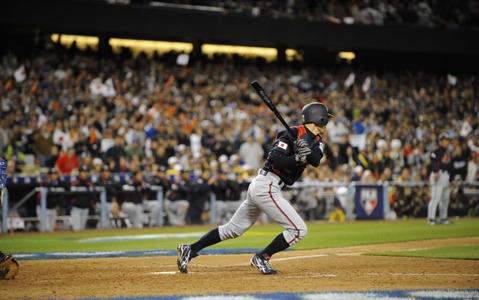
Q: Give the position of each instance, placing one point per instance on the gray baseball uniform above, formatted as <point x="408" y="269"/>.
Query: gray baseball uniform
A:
<point x="264" y="192"/>
<point x="440" y="190"/>
<point x="286" y="161"/>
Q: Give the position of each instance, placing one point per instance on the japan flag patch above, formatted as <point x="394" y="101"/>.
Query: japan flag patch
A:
<point x="283" y="145"/>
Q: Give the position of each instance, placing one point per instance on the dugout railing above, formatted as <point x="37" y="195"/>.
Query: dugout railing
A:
<point x="360" y="200"/>
<point x="9" y="216"/>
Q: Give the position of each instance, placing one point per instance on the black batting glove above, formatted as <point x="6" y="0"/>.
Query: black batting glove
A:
<point x="301" y="150"/>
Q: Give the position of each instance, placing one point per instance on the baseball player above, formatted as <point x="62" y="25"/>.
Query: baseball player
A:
<point x="55" y="198"/>
<point x="439" y="181"/>
<point x="82" y="200"/>
<point x="284" y="165"/>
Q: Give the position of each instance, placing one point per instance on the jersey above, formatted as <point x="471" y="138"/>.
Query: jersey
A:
<point x="83" y="197"/>
<point x="441" y="160"/>
<point x="111" y="188"/>
<point x="56" y="193"/>
<point x="281" y="160"/>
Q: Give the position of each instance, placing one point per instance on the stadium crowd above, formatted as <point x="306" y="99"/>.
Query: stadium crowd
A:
<point x="427" y="13"/>
<point x="74" y="111"/>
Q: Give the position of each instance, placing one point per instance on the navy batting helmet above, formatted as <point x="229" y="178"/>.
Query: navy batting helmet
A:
<point x="316" y="113"/>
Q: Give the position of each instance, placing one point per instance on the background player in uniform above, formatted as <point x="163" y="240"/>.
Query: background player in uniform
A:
<point x="439" y="181"/>
<point x="82" y="200"/>
<point x="55" y="199"/>
<point x="285" y="163"/>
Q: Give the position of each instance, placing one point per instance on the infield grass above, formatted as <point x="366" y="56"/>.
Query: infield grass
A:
<point x="454" y="252"/>
<point x="320" y="235"/>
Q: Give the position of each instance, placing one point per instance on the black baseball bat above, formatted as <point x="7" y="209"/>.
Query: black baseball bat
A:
<point x="259" y="90"/>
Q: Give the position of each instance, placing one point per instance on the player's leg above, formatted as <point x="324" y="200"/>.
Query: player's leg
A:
<point x="271" y="201"/>
<point x="153" y="208"/>
<point x="83" y="217"/>
<point x="138" y="213"/>
<point x="220" y="208"/>
<point x="436" y="194"/>
<point x="176" y="211"/>
<point x="51" y="218"/>
<point x="75" y="216"/>
<point x="282" y="212"/>
<point x="444" y="205"/>
<point x="244" y="218"/>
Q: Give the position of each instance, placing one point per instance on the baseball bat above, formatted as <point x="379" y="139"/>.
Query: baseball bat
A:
<point x="259" y="90"/>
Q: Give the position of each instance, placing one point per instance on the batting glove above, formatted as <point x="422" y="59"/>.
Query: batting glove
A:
<point x="301" y="150"/>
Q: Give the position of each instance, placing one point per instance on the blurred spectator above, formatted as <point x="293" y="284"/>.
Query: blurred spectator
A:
<point x="117" y="151"/>
<point x="459" y="162"/>
<point x="251" y="152"/>
<point x="306" y="201"/>
<point x="135" y="149"/>
<point x="332" y="156"/>
<point x="43" y="143"/>
<point x="97" y="165"/>
<point x="473" y="168"/>
<point x="53" y="157"/>
<point x="4" y="140"/>
<point x="459" y="201"/>
<point x="67" y="162"/>
<point x="403" y="195"/>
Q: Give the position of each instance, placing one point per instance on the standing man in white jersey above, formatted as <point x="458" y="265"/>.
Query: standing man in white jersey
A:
<point x="286" y="162"/>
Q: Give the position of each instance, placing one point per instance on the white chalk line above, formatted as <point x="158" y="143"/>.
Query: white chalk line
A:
<point x="247" y="264"/>
<point x="317" y="274"/>
<point x="433" y="274"/>
<point x="423" y="274"/>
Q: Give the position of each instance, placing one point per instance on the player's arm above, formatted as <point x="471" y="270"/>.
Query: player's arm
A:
<point x="282" y="154"/>
<point x="317" y="150"/>
<point x="435" y="165"/>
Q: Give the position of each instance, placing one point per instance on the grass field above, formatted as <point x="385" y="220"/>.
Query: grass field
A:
<point x="320" y="235"/>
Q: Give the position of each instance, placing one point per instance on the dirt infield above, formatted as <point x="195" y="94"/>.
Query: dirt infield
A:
<point x="338" y="269"/>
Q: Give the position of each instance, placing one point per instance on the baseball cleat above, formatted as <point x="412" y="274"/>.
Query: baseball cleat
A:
<point x="446" y="222"/>
<point x="185" y="255"/>
<point x="261" y="262"/>
<point x="431" y="222"/>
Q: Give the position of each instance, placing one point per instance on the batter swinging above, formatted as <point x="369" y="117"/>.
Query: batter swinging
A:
<point x="285" y="163"/>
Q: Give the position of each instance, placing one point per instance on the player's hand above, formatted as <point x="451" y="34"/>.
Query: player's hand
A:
<point x="301" y="150"/>
<point x="300" y="144"/>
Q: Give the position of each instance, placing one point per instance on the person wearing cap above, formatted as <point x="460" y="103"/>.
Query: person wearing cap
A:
<point x="439" y="179"/>
<point x="82" y="199"/>
<point x="55" y="199"/>
<point x="111" y="188"/>
<point x="97" y="165"/>
<point x="133" y="192"/>
<point x="177" y="204"/>
<point x="156" y="183"/>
